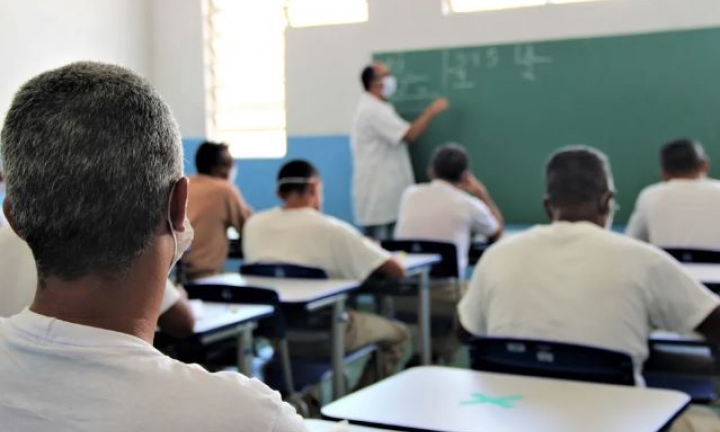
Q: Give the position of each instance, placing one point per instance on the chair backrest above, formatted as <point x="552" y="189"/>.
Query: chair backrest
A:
<point x="282" y="270"/>
<point x="551" y="360"/>
<point x="448" y="267"/>
<point x="695" y="255"/>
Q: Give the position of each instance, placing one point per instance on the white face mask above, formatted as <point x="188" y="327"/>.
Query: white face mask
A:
<point x="614" y="207"/>
<point x="389" y="86"/>
<point x="182" y="240"/>
<point x="233" y="175"/>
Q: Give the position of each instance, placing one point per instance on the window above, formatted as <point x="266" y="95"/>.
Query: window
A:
<point x="461" y="6"/>
<point x="245" y="76"/>
<point x="245" y="67"/>
<point x="308" y="13"/>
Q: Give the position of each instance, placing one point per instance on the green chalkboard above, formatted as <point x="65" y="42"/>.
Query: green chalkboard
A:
<point x="511" y="105"/>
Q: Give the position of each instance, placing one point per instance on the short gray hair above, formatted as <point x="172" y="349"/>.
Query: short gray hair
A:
<point x="449" y="162"/>
<point x="91" y="153"/>
<point x="577" y="175"/>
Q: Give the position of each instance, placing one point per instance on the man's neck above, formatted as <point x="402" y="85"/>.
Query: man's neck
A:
<point x="689" y="176"/>
<point x="296" y="204"/>
<point x="130" y="304"/>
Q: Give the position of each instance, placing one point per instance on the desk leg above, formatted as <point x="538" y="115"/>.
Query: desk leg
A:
<point x="338" y="347"/>
<point x="424" y="317"/>
<point x="245" y="349"/>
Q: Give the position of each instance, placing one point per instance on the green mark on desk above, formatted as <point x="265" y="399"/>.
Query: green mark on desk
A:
<point x="502" y="401"/>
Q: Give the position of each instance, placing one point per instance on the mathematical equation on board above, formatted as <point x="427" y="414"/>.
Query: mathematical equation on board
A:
<point x="462" y="69"/>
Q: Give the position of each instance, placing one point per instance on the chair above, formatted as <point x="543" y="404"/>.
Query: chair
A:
<point x="447" y="268"/>
<point x="685" y="255"/>
<point x="305" y="371"/>
<point x="551" y="360"/>
<point x="252" y="295"/>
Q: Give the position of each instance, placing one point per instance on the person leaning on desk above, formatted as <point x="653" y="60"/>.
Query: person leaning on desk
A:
<point x="381" y="163"/>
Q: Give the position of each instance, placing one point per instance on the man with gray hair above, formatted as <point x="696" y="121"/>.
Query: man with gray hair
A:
<point x="95" y="186"/>
<point x="575" y="281"/>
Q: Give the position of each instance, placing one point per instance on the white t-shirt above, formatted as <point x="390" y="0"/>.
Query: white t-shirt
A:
<point x="18" y="276"/>
<point x="307" y="237"/>
<point x="381" y="163"/>
<point x="678" y="213"/>
<point x="579" y="283"/>
<point x="64" y="377"/>
<point x="439" y="211"/>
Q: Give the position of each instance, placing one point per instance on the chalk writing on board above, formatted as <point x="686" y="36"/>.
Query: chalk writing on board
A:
<point x="414" y="87"/>
<point x="528" y="60"/>
<point x="460" y="68"/>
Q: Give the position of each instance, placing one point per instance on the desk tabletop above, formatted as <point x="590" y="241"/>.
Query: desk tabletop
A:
<point x="315" y="425"/>
<point x="705" y="273"/>
<point x="412" y="261"/>
<point x="290" y="290"/>
<point x="215" y="316"/>
<point x="445" y="399"/>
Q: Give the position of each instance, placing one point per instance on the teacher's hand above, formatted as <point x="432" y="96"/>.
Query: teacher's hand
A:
<point x="439" y="105"/>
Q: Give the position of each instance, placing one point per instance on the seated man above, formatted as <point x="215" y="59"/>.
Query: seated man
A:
<point x="95" y="186"/>
<point x="681" y="211"/>
<point x="214" y="205"/>
<point x="20" y="282"/>
<point x="451" y="208"/>
<point x="298" y="233"/>
<point x="575" y="281"/>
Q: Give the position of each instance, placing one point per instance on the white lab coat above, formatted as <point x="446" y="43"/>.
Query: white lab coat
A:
<point x="382" y="169"/>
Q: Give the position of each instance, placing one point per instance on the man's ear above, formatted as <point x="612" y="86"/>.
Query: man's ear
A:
<point x="6" y="211"/>
<point x="548" y="208"/>
<point x="665" y="176"/>
<point x="705" y="166"/>
<point x="605" y="203"/>
<point x="430" y="172"/>
<point x="178" y="204"/>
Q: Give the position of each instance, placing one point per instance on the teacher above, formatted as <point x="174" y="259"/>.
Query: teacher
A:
<point x="382" y="169"/>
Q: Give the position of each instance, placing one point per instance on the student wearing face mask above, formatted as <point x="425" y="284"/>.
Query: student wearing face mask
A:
<point x="214" y="205"/>
<point x="378" y="138"/>
<point x="81" y="356"/>
<point x="576" y="281"/>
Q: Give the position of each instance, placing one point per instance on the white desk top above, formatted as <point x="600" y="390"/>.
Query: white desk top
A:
<point x="414" y="261"/>
<point x="290" y="290"/>
<point x="214" y="316"/>
<point x="456" y="400"/>
<point x="705" y="273"/>
<point x="314" y="425"/>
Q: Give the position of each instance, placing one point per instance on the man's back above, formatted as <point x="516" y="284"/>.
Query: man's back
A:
<point x="678" y="213"/>
<point x="578" y="283"/>
<point x="441" y="212"/>
<point x="214" y="205"/>
<point x="304" y="236"/>
<point x="61" y="376"/>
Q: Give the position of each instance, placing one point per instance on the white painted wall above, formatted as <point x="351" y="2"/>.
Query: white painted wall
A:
<point x="177" y="63"/>
<point x="323" y="64"/>
<point x="36" y="35"/>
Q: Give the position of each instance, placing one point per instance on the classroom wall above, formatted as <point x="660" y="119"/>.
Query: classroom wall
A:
<point x="323" y="63"/>
<point x="36" y="35"/>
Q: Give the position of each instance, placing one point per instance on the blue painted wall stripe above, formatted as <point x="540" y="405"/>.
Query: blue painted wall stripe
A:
<point x="256" y="177"/>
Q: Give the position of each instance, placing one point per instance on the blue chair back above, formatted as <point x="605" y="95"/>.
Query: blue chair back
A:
<point x="448" y="267"/>
<point x="282" y="270"/>
<point x="686" y="255"/>
<point x="551" y="360"/>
